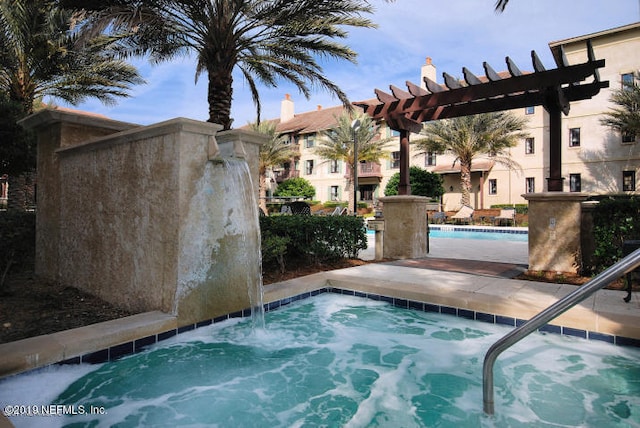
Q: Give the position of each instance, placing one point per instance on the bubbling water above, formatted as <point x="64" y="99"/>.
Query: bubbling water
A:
<point x="344" y="361"/>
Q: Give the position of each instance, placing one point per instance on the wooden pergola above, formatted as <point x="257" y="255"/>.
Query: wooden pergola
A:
<point x="406" y="110"/>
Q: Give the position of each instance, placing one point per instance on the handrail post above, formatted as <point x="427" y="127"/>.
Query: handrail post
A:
<point x="622" y="267"/>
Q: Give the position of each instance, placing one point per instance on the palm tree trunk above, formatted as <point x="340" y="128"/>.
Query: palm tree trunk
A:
<point x="220" y="96"/>
<point x="262" y="202"/>
<point x="21" y="191"/>
<point x="465" y="183"/>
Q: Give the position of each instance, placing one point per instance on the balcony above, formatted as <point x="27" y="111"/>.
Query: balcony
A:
<point x="367" y="169"/>
<point x="286" y="174"/>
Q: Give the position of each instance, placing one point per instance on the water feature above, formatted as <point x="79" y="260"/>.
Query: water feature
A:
<point x="344" y="361"/>
<point x="237" y="174"/>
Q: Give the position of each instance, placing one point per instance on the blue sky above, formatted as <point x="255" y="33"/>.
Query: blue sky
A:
<point x="454" y="34"/>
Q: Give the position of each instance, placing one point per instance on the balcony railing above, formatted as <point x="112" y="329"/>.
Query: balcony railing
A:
<point x="367" y="169"/>
<point x="285" y="174"/>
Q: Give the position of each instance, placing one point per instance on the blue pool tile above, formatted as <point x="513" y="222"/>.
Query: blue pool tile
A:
<point x="428" y="307"/>
<point x="549" y="328"/>
<point x="167" y="334"/>
<point x="501" y="319"/>
<point x="139" y="344"/>
<point x="465" y="313"/>
<point x="220" y="318"/>
<point x="627" y="341"/>
<point x="186" y="328"/>
<point x="484" y="317"/>
<point x="574" y="332"/>
<point x="419" y="306"/>
<point x="204" y="323"/>
<point x="119" y="351"/>
<point x="97" y="357"/>
<point x="602" y="337"/>
<point x="448" y="310"/>
<point x="401" y="303"/>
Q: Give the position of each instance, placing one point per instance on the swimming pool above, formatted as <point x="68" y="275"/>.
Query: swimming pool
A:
<point x="502" y="234"/>
<point x="345" y="361"/>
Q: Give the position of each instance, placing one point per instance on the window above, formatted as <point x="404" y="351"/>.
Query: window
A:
<point x="575" y="183"/>
<point x="627" y="81"/>
<point x="574" y="137"/>
<point x="529" y="110"/>
<point x="430" y="159"/>
<point x="309" y="140"/>
<point x="334" y="167"/>
<point x="393" y="133"/>
<point x="395" y="160"/>
<point x="628" y="181"/>
<point x="628" y="137"/>
<point x="493" y="186"/>
<point x="334" y="192"/>
<point x="309" y="167"/>
<point x="530" y="184"/>
<point x="529" y="146"/>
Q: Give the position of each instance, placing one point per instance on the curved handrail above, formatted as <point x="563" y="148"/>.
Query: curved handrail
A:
<point x="622" y="267"/>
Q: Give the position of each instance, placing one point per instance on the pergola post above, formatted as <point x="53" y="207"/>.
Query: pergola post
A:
<point x="555" y="180"/>
<point x="404" y="187"/>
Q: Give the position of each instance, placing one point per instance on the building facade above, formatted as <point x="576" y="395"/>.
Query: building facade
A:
<point x="595" y="158"/>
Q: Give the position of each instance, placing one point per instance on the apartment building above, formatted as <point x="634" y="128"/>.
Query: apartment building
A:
<point x="595" y="159"/>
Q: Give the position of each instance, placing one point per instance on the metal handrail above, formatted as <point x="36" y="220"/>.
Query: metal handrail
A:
<point x="619" y="269"/>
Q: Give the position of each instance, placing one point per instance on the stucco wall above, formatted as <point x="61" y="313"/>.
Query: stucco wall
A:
<point x="140" y="217"/>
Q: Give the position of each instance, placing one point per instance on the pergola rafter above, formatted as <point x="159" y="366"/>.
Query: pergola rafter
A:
<point x="555" y="89"/>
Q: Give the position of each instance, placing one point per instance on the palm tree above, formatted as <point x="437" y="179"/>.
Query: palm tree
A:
<point x="275" y="151"/>
<point x="338" y="144"/>
<point x="267" y="41"/>
<point x="501" y="5"/>
<point x="625" y="117"/>
<point x="469" y="137"/>
<point x="40" y="55"/>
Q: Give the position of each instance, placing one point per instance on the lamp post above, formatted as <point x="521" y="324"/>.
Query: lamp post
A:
<point x="355" y="126"/>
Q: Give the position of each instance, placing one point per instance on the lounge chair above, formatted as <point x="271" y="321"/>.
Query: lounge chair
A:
<point x="465" y="215"/>
<point x="339" y="211"/>
<point x="507" y="215"/>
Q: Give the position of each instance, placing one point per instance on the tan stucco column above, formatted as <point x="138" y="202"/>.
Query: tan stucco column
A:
<point x="554" y="231"/>
<point x="405" y="226"/>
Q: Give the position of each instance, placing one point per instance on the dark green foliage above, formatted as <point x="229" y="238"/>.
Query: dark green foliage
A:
<point x="297" y="187"/>
<point x="614" y="220"/>
<point x="18" y="237"/>
<point x="316" y="239"/>
<point x="423" y="183"/>
<point x="17" y="146"/>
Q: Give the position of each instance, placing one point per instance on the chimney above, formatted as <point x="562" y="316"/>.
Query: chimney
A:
<point x="319" y="107"/>
<point x="428" y="70"/>
<point x="287" y="111"/>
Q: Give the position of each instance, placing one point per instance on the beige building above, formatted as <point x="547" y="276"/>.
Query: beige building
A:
<point x="595" y="159"/>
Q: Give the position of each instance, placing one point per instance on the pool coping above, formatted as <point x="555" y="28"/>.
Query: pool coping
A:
<point x="603" y="316"/>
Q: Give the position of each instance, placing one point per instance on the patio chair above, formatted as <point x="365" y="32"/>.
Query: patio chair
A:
<point x="507" y="215"/>
<point x="439" y="218"/>
<point x="464" y="215"/>
<point x="299" y="208"/>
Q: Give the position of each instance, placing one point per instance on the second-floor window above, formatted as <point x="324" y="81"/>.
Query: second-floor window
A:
<point x="309" y="167"/>
<point x="627" y="80"/>
<point x="529" y="110"/>
<point x="493" y="186"/>
<point x="628" y="137"/>
<point x="529" y="146"/>
<point x="574" y="137"/>
<point x="334" y="167"/>
<point x="430" y="159"/>
<point x="309" y="140"/>
<point x="395" y="160"/>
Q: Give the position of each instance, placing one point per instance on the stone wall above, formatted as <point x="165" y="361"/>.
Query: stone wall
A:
<point x="138" y="215"/>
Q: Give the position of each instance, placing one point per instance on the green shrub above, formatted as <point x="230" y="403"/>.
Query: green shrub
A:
<point x="296" y="187"/>
<point x="18" y="237"/>
<point x="315" y="239"/>
<point x="615" y="220"/>
<point x="423" y="183"/>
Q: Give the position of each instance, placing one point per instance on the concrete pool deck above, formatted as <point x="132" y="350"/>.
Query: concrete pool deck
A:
<point x="459" y="277"/>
